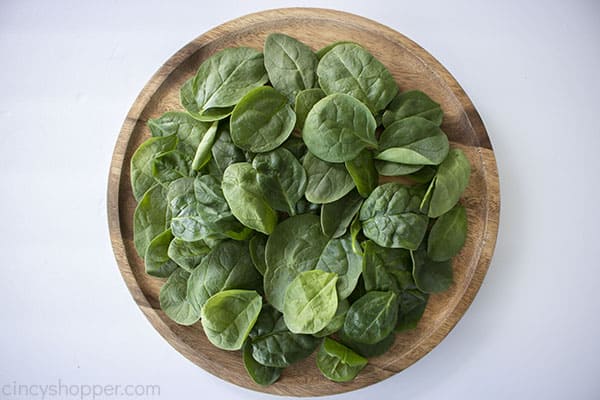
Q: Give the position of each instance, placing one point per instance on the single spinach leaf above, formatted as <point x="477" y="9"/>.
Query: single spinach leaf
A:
<point x="151" y="218"/>
<point x="281" y="178"/>
<point x="386" y="269"/>
<point x="423" y="175"/>
<point x="369" y="350"/>
<point x="282" y="348"/>
<point x="390" y="216"/>
<point x="142" y="161"/>
<point x="246" y="200"/>
<point x="305" y="101"/>
<point x="372" y="317"/>
<point x="187" y="255"/>
<point x="203" y="152"/>
<point x="310" y="301"/>
<point x="262" y="120"/>
<point x="189" y="131"/>
<point x="355" y="230"/>
<point x="389" y="168"/>
<point x="338" y="257"/>
<point x="337" y="321"/>
<point x="199" y="210"/>
<point x="450" y="181"/>
<point x="411" y="308"/>
<point x="294" y="246"/>
<point x="224" y="152"/>
<point x="363" y="172"/>
<point x="290" y="64"/>
<point x="222" y="81"/>
<point x="228" y="317"/>
<point x="227" y="266"/>
<point x="259" y="373"/>
<point x="257" y="246"/>
<point x="413" y="141"/>
<point x="326" y="182"/>
<point x="324" y="50"/>
<point x="169" y="166"/>
<point x="350" y="69"/>
<point x="338" y="363"/>
<point x="333" y="136"/>
<point x="173" y="299"/>
<point x="431" y="276"/>
<point x="336" y="216"/>
<point x="157" y="260"/>
<point x="413" y="103"/>
<point x="448" y="234"/>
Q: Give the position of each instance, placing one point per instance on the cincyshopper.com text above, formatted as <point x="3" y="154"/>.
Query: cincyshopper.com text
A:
<point x="64" y="390"/>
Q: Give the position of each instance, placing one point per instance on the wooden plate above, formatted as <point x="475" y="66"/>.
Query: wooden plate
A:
<point x="413" y="68"/>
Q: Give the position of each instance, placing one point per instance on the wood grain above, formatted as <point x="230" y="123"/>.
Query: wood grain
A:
<point x="413" y="68"/>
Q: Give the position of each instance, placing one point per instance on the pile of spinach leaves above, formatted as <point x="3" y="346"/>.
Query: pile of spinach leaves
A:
<point x="261" y="206"/>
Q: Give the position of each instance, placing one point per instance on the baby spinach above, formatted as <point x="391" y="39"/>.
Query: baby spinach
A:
<point x="324" y="50"/>
<point x="431" y="276"/>
<point x="203" y="152"/>
<point x="350" y="69"/>
<point x="189" y="131"/>
<point x="333" y="138"/>
<point x="246" y="200"/>
<point x="337" y="362"/>
<point x="338" y="257"/>
<point x="294" y="247"/>
<point x="355" y="230"/>
<point x="413" y="141"/>
<point x="257" y="244"/>
<point x="142" y="161"/>
<point x="336" y="216"/>
<point x="363" y="172"/>
<point x="222" y="81"/>
<point x="169" y="166"/>
<point x="368" y="350"/>
<point x="305" y="101"/>
<point x="282" y="348"/>
<point x="228" y="317"/>
<point x="390" y="216"/>
<point x="267" y="322"/>
<point x="450" y="181"/>
<point x="227" y="266"/>
<point x="327" y="182"/>
<point x="151" y="218"/>
<point x="187" y="255"/>
<point x="157" y="260"/>
<point x="310" y="301"/>
<point x="448" y="234"/>
<point x="224" y="152"/>
<point x="412" y="103"/>
<point x="199" y="210"/>
<point x="260" y="374"/>
<point x="173" y="299"/>
<point x="385" y="269"/>
<point x="262" y="120"/>
<point x="281" y="178"/>
<point x="290" y="64"/>
<point x="372" y="317"/>
<point x="296" y="146"/>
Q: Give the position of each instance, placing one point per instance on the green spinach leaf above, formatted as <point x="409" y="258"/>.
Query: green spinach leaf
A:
<point x="337" y="322"/>
<point x="189" y="131"/>
<point x="338" y="363"/>
<point x="188" y="255"/>
<point x="412" y="103"/>
<point x="257" y="245"/>
<point x="281" y="178"/>
<point x="310" y="301"/>
<point x="260" y="374"/>
<point x="363" y="172"/>
<point x="334" y="137"/>
<point x="291" y="65"/>
<point x="203" y="152"/>
<point x="386" y="269"/>
<point x="170" y="166"/>
<point x="450" y="181"/>
<point x="173" y="299"/>
<point x="305" y="101"/>
<point x="151" y="218"/>
<point x="224" y="152"/>
<point x="350" y="69"/>
<point x="157" y="260"/>
<point x="411" y="307"/>
<point x="368" y="350"/>
<point x="338" y="257"/>
<point x="228" y="317"/>
<point x="326" y="182"/>
<point x="372" y="317"/>
<point x="282" y="348"/>
<point x="431" y="276"/>
<point x="336" y="216"/>
<point x="246" y="200"/>
<point x="142" y="161"/>
<point x="262" y="120"/>
<point x="448" y="234"/>
<point x="389" y="168"/>
<point x="413" y="141"/>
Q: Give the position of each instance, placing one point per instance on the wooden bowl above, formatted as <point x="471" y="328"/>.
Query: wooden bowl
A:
<point x="413" y="68"/>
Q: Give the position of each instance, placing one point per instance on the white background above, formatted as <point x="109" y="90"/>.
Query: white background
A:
<point x="70" y="70"/>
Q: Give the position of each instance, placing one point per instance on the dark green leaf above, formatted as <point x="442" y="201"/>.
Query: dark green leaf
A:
<point x="338" y="363"/>
<point x="257" y="245"/>
<point x="372" y="317"/>
<point x="259" y="373"/>
<point x="412" y="103"/>
<point x="142" y="161"/>
<point x="327" y="182"/>
<point x="187" y="255"/>
<point x="282" y="348"/>
<point x="363" y="172"/>
<point x="450" y="181"/>
<point x="336" y="216"/>
<point x="151" y="218"/>
<point x="305" y="101"/>
<point x="157" y="260"/>
<point x="448" y="234"/>
<point x="173" y="299"/>
<point x="431" y="276"/>
<point x="338" y="257"/>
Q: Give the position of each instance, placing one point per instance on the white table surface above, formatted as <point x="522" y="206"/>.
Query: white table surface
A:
<point x="70" y="70"/>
